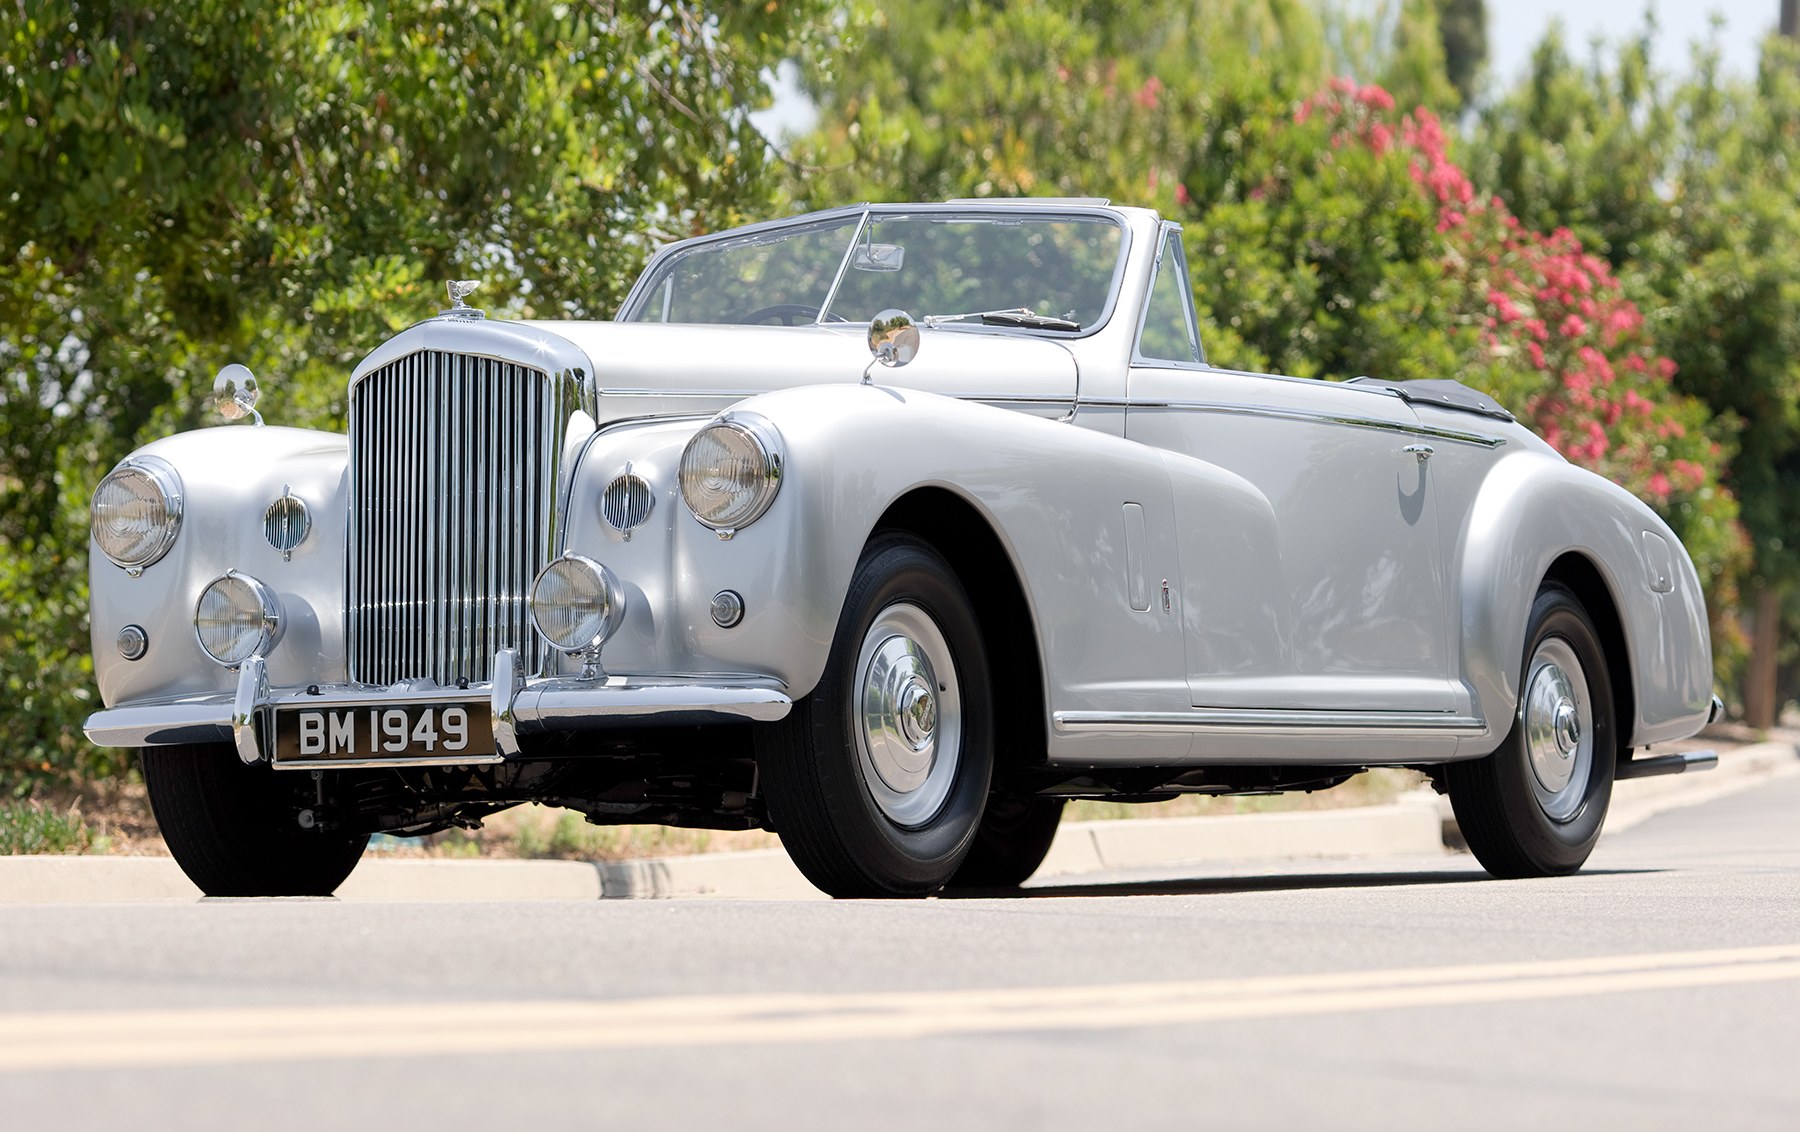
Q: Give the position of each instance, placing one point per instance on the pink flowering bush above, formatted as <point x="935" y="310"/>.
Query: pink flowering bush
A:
<point x="1383" y="259"/>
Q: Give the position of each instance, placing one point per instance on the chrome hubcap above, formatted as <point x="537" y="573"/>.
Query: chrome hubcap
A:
<point x="908" y="715"/>
<point x="1558" y="724"/>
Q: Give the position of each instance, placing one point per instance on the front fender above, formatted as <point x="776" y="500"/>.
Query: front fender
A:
<point x="1053" y="493"/>
<point x="229" y="476"/>
<point x="1531" y="511"/>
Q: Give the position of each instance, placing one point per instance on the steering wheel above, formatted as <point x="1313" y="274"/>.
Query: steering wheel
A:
<point x="788" y="314"/>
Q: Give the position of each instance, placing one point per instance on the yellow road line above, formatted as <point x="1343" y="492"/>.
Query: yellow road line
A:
<point x="291" y="1033"/>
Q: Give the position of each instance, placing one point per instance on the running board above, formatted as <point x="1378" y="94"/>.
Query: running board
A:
<point x="1667" y="764"/>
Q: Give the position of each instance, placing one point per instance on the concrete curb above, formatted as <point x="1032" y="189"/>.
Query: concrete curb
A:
<point x="1636" y="799"/>
<point x="1419" y="823"/>
<point x="1405" y="827"/>
<point x="62" y="880"/>
<point x="1739" y="769"/>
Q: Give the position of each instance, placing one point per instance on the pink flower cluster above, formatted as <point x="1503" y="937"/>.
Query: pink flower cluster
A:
<point x="1556" y="335"/>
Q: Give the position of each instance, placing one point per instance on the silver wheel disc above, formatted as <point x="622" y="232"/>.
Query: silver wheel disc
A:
<point x="1558" y="723"/>
<point x="908" y="715"/>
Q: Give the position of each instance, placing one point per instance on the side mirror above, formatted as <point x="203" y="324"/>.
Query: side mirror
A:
<point x="893" y="338"/>
<point x="235" y="393"/>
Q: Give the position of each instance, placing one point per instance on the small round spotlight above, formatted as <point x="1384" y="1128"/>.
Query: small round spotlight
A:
<point x="576" y="603"/>
<point x="236" y="618"/>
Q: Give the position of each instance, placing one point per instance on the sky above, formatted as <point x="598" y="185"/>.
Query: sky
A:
<point x="1514" y="28"/>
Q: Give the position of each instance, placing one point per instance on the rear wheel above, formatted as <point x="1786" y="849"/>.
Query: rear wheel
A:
<point x="1012" y="841"/>
<point x="232" y="828"/>
<point x="877" y="780"/>
<point x="1535" y="806"/>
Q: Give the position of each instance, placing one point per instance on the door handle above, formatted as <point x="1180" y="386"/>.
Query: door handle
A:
<point x="1422" y="451"/>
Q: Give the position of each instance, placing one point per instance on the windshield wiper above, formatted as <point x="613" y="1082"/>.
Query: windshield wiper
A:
<point x="1012" y="316"/>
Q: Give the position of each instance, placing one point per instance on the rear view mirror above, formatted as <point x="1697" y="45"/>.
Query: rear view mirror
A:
<point x="878" y="257"/>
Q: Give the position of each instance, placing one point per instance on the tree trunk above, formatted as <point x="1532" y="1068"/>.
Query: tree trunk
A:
<point x="1765" y="645"/>
<point x="1790" y="18"/>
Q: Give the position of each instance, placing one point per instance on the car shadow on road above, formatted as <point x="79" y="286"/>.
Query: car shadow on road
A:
<point x="1273" y="882"/>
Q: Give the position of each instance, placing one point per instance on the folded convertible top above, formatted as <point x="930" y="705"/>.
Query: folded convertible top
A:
<point x="1440" y="393"/>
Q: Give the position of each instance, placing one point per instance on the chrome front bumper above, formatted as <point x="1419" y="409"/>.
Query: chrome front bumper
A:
<point x="520" y="706"/>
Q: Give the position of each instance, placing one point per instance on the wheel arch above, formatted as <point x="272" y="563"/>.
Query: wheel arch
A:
<point x="953" y="527"/>
<point x="1581" y="576"/>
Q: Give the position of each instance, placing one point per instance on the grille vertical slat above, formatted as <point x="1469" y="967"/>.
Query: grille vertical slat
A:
<point x="453" y="481"/>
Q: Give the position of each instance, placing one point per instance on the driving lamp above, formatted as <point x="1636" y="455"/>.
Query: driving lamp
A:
<point x="576" y="603"/>
<point x="236" y="618"/>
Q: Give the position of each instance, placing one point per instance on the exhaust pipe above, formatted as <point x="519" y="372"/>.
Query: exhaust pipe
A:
<point x="1679" y="763"/>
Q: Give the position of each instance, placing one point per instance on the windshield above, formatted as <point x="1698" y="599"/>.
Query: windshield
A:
<point x="1051" y="272"/>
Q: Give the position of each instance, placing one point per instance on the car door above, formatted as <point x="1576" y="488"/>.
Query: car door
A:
<point x="1331" y="597"/>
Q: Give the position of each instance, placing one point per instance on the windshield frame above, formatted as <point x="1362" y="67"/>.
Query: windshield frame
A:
<point x="638" y="298"/>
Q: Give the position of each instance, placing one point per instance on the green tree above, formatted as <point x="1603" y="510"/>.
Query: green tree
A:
<point x="283" y="184"/>
<point x="1688" y="188"/>
<point x="1462" y="30"/>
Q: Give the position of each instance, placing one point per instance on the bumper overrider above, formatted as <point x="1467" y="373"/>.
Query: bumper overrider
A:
<point x="346" y="726"/>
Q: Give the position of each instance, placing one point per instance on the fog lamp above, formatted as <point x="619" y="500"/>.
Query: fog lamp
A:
<point x="236" y="618"/>
<point x="576" y="603"/>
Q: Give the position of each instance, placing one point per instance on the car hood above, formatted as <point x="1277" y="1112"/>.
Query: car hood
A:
<point x="700" y="360"/>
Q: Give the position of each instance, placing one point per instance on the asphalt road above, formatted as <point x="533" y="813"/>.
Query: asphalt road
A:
<point x="1660" y="988"/>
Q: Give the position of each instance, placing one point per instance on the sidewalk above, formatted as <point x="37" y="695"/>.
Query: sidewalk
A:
<point x="1419" y="823"/>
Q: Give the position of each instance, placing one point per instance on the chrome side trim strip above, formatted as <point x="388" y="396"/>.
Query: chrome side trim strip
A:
<point x="1280" y="413"/>
<point x="1277" y="720"/>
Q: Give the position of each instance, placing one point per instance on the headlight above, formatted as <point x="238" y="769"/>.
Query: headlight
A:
<point x="237" y="618"/>
<point x="136" y="512"/>
<point x="731" y="471"/>
<point x="576" y="603"/>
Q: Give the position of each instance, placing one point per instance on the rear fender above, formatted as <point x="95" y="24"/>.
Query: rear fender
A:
<point x="1530" y="512"/>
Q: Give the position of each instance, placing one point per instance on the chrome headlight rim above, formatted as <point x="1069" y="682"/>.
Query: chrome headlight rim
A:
<point x="162" y="475"/>
<point x="602" y="585"/>
<point x="765" y="439"/>
<point x="268" y="613"/>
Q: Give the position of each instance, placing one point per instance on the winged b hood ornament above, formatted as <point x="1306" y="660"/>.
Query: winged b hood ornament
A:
<point x="460" y="289"/>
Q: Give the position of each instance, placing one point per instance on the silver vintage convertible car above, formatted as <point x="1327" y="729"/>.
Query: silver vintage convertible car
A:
<point x="888" y="528"/>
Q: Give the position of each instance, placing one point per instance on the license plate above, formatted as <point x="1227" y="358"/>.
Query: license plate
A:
<point x="439" y="733"/>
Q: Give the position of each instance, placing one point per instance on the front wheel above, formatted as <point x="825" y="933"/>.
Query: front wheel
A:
<point x="232" y="828"/>
<point x="1535" y="806"/>
<point x="877" y="780"/>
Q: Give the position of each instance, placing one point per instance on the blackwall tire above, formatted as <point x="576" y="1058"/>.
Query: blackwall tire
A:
<point x="1535" y="806"/>
<point x="1011" y="842"/>
<point x="877" y="780"/>
<point x="232" y="828"/>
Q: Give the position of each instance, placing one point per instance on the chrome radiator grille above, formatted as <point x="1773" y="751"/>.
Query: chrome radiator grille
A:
<point x="453" y="476"/>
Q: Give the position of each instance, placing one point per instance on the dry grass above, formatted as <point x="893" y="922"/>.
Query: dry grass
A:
<point x="540" y="832"/>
